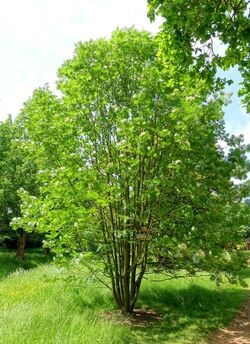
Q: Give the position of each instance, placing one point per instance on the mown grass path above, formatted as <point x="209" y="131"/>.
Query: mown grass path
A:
<point x="238" y="331"/>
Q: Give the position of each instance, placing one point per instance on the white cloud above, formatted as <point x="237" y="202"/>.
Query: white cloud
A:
<point x="246" y="133"/>
<point x="218" y="47"/>
<point x="36" y="36"/>
<point x="243" y="110"/>
<point x="222" y="144"/>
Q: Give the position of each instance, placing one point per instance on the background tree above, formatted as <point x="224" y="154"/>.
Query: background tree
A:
<point x="129" y="166"/>
<point x="6" y="210"/>
<point x="17" y="170"/>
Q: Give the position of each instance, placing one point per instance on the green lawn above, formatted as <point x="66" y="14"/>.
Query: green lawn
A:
<point x="36" y="309"/>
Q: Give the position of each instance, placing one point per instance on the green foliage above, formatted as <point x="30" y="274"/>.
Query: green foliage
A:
<point x="190" y="33"/>
<point x="17" y="170"/>
<point x="130" y="168"/>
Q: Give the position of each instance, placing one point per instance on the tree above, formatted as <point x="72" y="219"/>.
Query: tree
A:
<point x="128" y="167"/>
<point x="17" y="170"/>
<point x="5" y="209"/>
<point x="190" y="32"/>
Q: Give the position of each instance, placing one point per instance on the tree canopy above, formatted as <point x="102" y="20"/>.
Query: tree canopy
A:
<point x="17" y="170"/>
<point x="131" y="170"/>
<point x="191" y="31"/>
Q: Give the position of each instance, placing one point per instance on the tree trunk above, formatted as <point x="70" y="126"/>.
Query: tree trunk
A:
<point x="21" y="244"/>
<point x="126" y="284"/>
<point x="46" y="251"/>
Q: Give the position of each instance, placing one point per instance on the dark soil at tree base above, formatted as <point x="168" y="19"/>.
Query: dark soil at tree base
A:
<point x="237" y="332"/>
<point x="139" y="317"/>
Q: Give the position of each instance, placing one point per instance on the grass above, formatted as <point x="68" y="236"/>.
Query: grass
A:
<point x="34" y="309"/>
<point x="9" y="262"/>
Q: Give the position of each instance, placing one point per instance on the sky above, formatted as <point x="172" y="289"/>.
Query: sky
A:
<point x="37" y="36"/>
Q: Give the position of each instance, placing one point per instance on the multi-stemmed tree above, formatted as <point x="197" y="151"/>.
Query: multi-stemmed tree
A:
<point x="130" y="168"/>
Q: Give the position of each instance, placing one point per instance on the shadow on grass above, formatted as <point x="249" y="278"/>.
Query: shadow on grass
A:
<point x="189" y="312"/>
<point x="92" y="302"/>
<point x="245" y="274"/>
<point x="9" y="263"/>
